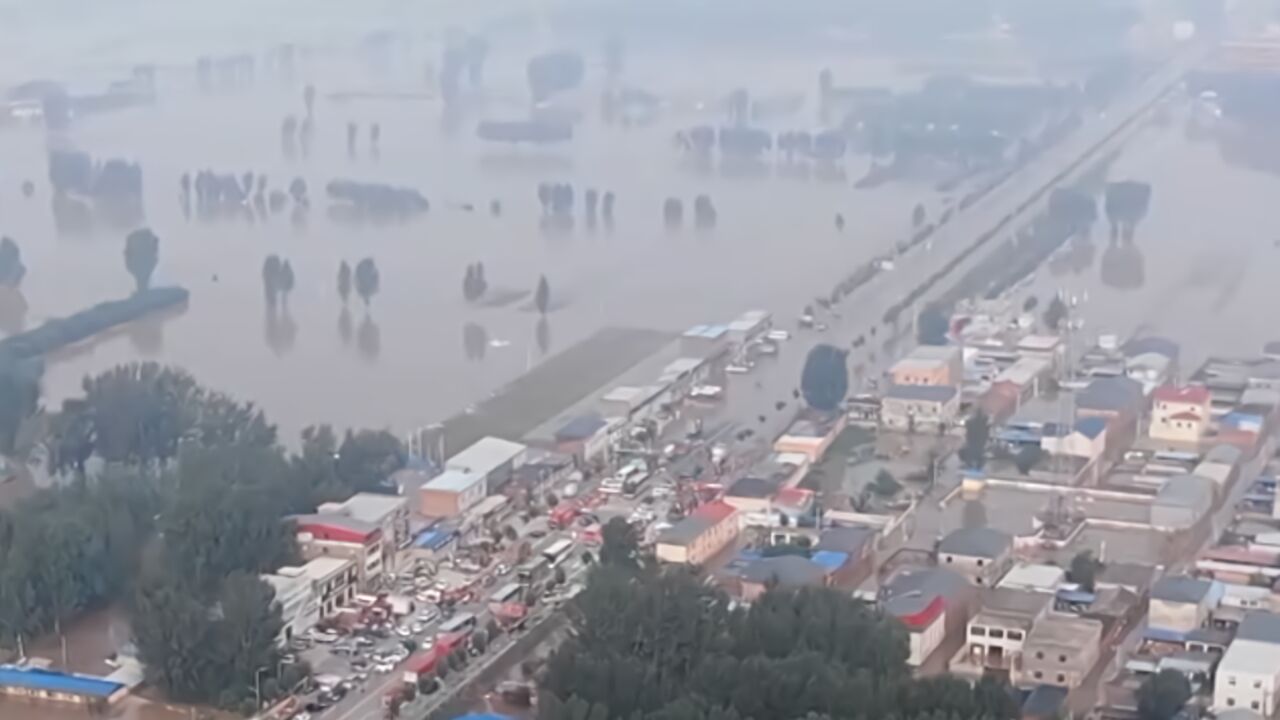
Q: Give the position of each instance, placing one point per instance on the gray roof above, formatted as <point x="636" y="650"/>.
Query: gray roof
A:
<point x="686" y="531"/>
<point x="485" y="455"/>
<point x="1022" y="603"/>
<point x="976" y="542"/>
<point x="1190" y="491"/>
<point x="1159" y="345"/>
<point x="845" y="539"/>
<point x="1129" y="575"/>
<point x="912" y="591"/>
<point x="1180" y="588"/>
<point x="1045" y="701"/>
<point x="1223" y="454"/>
<point x="925" y="393"/>
<point x="753" y="487"/>
<point x="1111" y="394"/>
<point x="788" y="570"/>
<point x="1261" y="627"/>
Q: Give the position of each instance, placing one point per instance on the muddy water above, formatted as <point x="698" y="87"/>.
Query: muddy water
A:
<point x="402" y="362"/>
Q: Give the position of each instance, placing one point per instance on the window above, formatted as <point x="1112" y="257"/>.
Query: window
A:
<point x="1257" y="684"/>
<point x="1062" y="678"/>
<point x="977" y="631"/>
<point x="1231" y="702"/>
<point x="979" y="562"/>
<point x="949" y="559"/>
<point x="996" y="633"/>
<point x="1038" y="674"/>
<point x="1014" y="635"/>
<point x="1062" y="658"/>
<point x="1254" y="705"/>
<point x="1231" y="680"/>
<point x="1039" y="655"/>
<point x="978" y="580"/>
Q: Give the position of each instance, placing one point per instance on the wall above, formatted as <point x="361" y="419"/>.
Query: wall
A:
<point x="677" y="554"/>
<point x="924" y="642"/>
<point x="1237" y="689"/>
<point x="978" y="571"/>
<point x="1180" y="617"/>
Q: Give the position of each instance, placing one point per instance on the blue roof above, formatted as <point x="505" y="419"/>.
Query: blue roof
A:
<point x="433" y="539"/>
<point x="830" y="559"/>
<point x="54" y="681"/>
<point x="580" y="428"/>
<point x="1160" y="634"/>
<point x="1112" y="394"/>
<point x="1091" y="427"/>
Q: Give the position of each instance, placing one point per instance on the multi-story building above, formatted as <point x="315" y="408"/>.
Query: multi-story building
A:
<point x="390" y="513"/>
<point x="981" y="555"/>
<point x="339" y="536"/>
<point x="1060" y="650"/>
<point x="1179" y="605"/>
<point x="697" y="538"/>
<point x="996" y="635"/>
<point x="1180" y="414"/>
<point x="1248" y="675"/>
<point x="929" y="365"/>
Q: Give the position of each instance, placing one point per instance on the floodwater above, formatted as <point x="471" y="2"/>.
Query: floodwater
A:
<point x="419" y="353"/>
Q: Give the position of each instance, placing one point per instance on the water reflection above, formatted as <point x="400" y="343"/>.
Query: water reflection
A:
<point x="279" y="328"/>
<point x="475" y="341"/>
<point x="345" y="328"/>
<point x="369" y="338"/>
<point x="542" y="334"/>
<point x="13" y="310"/>
<point x="146" y="334"/>
<point x="1123" y="266"/>
<point x="973" y="514"/>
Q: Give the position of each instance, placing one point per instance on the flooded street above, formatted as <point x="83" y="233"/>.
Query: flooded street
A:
<point x="403" y="362"/>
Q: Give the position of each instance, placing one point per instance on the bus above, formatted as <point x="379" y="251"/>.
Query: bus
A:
<point x="507" y="593"/>
<point x="558" y="551"/>
<point x="461" y="623"/>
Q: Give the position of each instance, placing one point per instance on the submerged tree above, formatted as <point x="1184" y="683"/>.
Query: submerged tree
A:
<point x="977" y="430"/>
<point x="344" y="281"/>
<point x="542" y="295"/>
<point x="272" y="269"/>
<point x="367" y="280"/>
<point x="141" y="255"/>
<point x="825" y="378"/>
<point x="11" y="268"/>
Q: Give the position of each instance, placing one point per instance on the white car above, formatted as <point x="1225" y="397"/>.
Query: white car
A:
<point x="736" y="369"/>
<point x="324" y="636"/>
<point x="778" y="335"/>
<point x="418" y="628"/>
<point x="403" y="631"/>
<point x="383" y="668"/>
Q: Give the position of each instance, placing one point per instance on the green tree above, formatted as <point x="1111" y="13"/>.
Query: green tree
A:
<point x="141" y="255"/>
<point x="286" y="279"/>
<point x="977" y="431"/>
<point x="825" y="378"/>
<point x="19" y="397"/>
<point x="367" y="459"/>
<point x="1162" y="696"/>
<point x="1084" y="570"/>
<point x="885" y="484"/>
<point x="933" y="325"/>
<point x="619" y="544"/>
<point x="272" y="268"/>
<point x="542" y="295"/>
<point x="367" y="280"/>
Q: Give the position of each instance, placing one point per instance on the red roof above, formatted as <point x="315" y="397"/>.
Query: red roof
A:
<point x="924" y="618"/>
<point x="336" y="532"/>
<point x="1186" y="415"/>
<point x="715" y="511"/>
<point x="793" y="497"/>
<point x="1190" y="394"/>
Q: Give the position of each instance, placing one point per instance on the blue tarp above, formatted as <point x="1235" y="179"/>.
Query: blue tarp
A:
<point x="433" y="539"/>
<point x="830" y="559"/>
<point x="52" y="681"/>
<point x="1164" y="635"/>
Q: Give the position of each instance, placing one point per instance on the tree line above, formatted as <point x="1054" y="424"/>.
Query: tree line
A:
<point x="186" y="514"/>
<point x="651" y="645"/>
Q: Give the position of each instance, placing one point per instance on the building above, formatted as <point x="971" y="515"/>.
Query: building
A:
<point x="43" y="684"/>
<point x="754" y="492"/>
<point x="1179" y="605"/>
<point x="388" y="512"/>
<point x="1118" y="400"/>
<point x="1221" y="465"/>
<point x="451" y="493"/>
<point x="1026" y="375"/>
<point x="857" y="544"/>
<point x="1087" y="439"/>
<point x="495" y="460"/>
<point x="1181" y="502"/>
<point x="1034" y="578"/>
<point x="697" y="538"/>
<point x="1042" y="347"/>
<point x="299" y="602"/>
<point x="338" y="536"/>
<point x="912" y="407"/>
<point x="1044" y="702"/>
<point x="931" y="603"/>
<point x="786" y="571"/>
<point x="811" y="434"/>
<point x="751" y="494"/>
<point x="936" y="365"/>
<point x="334" y="582"/>
<point x="1248" y="675"/>
<point x="586" y="437"/>
<point x="996" y="634"/>
<point x="981" y="555"/>
<point x="1060" y="650"/>
<point x="1179" y="414"/>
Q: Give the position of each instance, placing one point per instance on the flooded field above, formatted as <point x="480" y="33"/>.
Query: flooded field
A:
<point x="419" y="352"/>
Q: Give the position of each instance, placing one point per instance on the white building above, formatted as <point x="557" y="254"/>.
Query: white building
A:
<point x="1180" y="604"/>
<point x="1249" y="673"/>
<point x="494" y="459"/>
<point x="299" y="604"/>
<point x="388" y="512"/>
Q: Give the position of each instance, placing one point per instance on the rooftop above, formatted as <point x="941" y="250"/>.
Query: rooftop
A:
<point x="1065" y="631"/>
<point x="453" y="481"/>
<point x="786" y="570"/>
<point x="1260" y="627"/>
<point x="1134" y="576"/>
<point x="1111" y="394"/>
<point x="1182" y="589"/>
<point x="1223" y="455"/>
<point x="753" y="487"/>
<point x="30" y="678"/>
<point x="692" y="527"/>
<point x="1022" y="604"/>
<point x="1045" y="701"/>
<point x="918" y="596"/>
<point x="1162" y="346"/>
<point x="846" y="539"/>
<point x="323" y="568"/>
<point x="485" y="455"/>
<point x="976" y="542"/>
<point x="1190" y="491"/>
<point x="921" y="393"/>
<point x="1249" y="656"/>
<point x="1030" y="576"/>
<point x="333" y="526"/>
<point x="1039" y="343"/>
<point x="580" y="428"/>
<point x="367" y="507"/>
<point x="1189" y="394"/>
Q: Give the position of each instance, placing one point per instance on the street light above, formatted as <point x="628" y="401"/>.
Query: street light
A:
<point x="257" y="687"/>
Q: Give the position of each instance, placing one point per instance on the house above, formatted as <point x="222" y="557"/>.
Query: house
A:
<point x="1087" y="439"/>
<point x="299" y="603"/>
<point x="1118" y="400"/>
<point x="388" y="512"/>
<point x="787" y="571"/>
<point x="697" y="538"/>
<point x="1248" y="675"/>
<point x="493" y="459"/>
<point x="857" y="544"/>
<point x="931" y="603"/>
<point x="1060" y="650"/>
<point x="1034" y="577"/>
<point x="1181" y="502"/>
<point x="1179" y="605"/>
<point x="751" y="494"/>
<point x="1152" y="369"/>
<point x="451" y="493"/>
<point x="1001" y="401"/>
<point x="1179" y="414"/>
<point x="980" y="555"/>
<point x="1221" y="465"/>
<point x="929" y="365"/>
<point x="911" y="407"/>
<point x="1026" y="374"/>
<point x="339" y="536"/>
<point x="586" y="437"/>
<point x="811" y="434"/>
<point x="996" y="634"/>
<point x="1042" y="347"/>
<point x="35" y="683"/>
